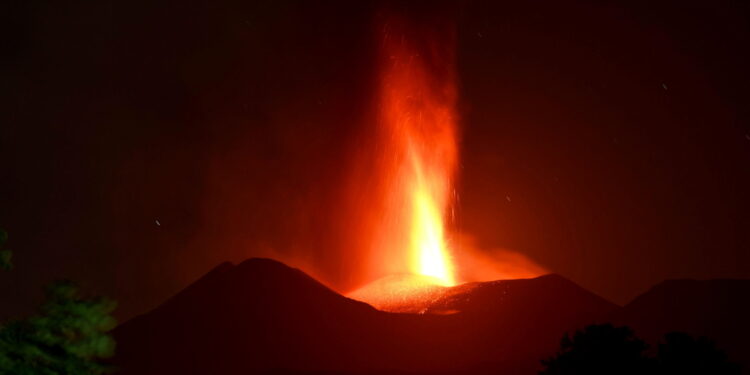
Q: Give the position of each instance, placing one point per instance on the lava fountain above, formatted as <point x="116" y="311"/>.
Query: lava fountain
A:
<point x="417" y="160"/>
<point x="421" y="122"/>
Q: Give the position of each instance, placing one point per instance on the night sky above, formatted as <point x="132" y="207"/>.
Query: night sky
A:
<point x="142" y="143"/>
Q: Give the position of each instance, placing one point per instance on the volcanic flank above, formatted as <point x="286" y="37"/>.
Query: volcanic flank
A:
<point x="261" y="315"/>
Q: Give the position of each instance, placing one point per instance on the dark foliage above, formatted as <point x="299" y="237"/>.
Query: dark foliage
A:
<point x="69" y="335"/>
<point x="606" y="349"/>
<point x="682" y="354"/>
<point x="599" y="349"/>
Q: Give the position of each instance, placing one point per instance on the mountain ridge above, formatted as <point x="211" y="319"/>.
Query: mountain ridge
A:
<point x="261" y="316"/>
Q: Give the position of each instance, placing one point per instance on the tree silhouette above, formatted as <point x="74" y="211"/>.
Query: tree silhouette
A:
<point x="599" y="349"/>
<point x="605" y="349"/>
<point x="67" y="337"/>
<point x="682" y="354"/>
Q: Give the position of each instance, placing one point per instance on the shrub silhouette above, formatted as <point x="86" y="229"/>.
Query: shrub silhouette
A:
<point x="682" y="354"/>
<point x="599" y="349"/>
<point x="605" y="349"/>
<point x="67" y="337"/>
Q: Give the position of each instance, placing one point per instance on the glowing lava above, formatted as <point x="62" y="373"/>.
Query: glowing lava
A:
<point x="428" y="245"/>
<point x="402" y="183"/>
<point x="417" y="97"/>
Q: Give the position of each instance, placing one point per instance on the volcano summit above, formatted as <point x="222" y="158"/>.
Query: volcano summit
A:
<point x="261" y="316"/>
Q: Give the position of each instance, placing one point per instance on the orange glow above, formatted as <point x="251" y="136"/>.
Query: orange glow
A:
<point x="417" y="114"/>
<point x="405" y="293"/>
<point x="402" y="185"/>
<point x="428" y="248"/>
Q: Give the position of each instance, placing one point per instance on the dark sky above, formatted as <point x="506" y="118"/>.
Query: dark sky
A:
<point x="607" y="140"/>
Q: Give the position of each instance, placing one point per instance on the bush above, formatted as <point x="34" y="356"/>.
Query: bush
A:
<point x="605" y="349"/>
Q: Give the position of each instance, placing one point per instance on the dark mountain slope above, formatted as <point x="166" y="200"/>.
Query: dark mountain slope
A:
<point x="717" y="309"/>
<point x="262" y="316"/>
